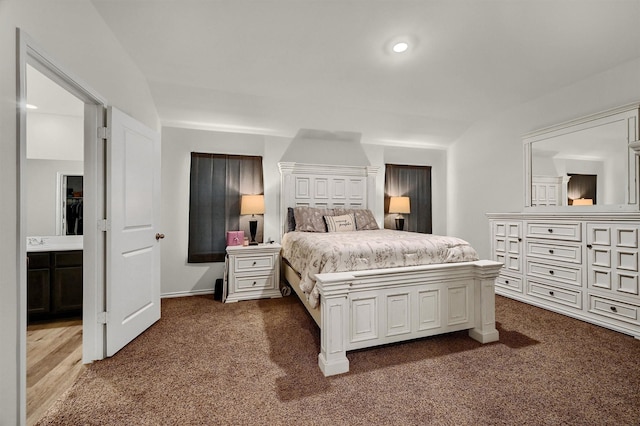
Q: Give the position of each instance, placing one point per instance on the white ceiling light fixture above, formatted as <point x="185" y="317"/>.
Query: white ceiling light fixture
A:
<point x="400" y="47"/>
<point x="29" y="106"/>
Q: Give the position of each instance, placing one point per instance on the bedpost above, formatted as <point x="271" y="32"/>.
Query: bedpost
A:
<point x="372" y="171"/>
<point x="286" y="170"/>
<point x="334" y="329"/>
<point x="484" y="330"/>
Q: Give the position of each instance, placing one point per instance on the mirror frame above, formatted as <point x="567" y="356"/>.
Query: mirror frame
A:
<point x="630" y="114"/>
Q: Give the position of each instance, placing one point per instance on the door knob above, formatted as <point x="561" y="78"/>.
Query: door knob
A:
<point x="159" y="236"/>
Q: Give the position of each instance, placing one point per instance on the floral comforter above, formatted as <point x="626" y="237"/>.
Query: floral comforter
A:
<point x="312" y="253"/>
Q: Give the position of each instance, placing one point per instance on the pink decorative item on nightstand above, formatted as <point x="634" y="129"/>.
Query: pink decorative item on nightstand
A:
<point x="235" y="238"/>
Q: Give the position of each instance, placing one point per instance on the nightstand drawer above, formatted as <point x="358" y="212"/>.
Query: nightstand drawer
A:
<point x="254" y="283"/>
<point x="254" y="263"/>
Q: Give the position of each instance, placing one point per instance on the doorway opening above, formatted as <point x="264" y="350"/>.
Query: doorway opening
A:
<point x="66" y="276"/>
<point x="53" y="174"/>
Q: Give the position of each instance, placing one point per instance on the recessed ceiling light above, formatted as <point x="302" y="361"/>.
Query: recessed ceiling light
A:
<point x="400" y="47"/>
<point x="29" y="106"/>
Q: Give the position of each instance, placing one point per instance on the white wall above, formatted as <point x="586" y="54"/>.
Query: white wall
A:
<point x="55" y="136"/>
<point x="436" y="158"/>
<point x="74" y="34"/>
<point x="55" y="144"/>
<point x="486" y="170"/>
<point x="180" y="277"/>
<point x="42" y="192"/>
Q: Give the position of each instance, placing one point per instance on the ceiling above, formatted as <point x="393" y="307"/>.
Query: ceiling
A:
<point x="275" y="66"/>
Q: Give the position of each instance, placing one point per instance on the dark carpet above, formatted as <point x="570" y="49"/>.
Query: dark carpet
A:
<point x="255" y="362"/>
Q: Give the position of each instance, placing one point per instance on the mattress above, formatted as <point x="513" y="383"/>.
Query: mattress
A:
<point x="312" y="253"/>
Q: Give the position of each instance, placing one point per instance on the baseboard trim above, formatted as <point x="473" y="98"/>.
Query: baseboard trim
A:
<point x="186" y="293"/>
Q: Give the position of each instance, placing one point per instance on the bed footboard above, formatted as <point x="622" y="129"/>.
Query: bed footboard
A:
<point x="375" y="307"/>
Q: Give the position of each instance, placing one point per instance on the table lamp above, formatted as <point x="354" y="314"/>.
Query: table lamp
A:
<point x="253" y="205"/>
<point x="399" y="205"/>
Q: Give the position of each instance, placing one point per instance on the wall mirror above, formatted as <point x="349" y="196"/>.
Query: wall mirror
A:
<point x="590" y="163"/>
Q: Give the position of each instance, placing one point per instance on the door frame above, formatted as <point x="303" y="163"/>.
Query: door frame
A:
<point x="93" y="334"/>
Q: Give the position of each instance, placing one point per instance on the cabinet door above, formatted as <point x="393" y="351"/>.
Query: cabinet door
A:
<point x="38" y="290"/>
<point x="613" y="258"/>
<point x="507" y="243"/>
<point x="67" y="289"/>
<point x="38" y="283"/>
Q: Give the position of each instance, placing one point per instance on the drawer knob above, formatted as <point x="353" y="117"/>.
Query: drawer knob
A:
<point x="550" y="230"/>
<point x="550" y="293"/>
<point x="550" y="272"/>
<point x="254" y="264"/>
<point x="506" y="281"/>
<point x="589" y="246"/>
<point x="254" y="283"/>
<point x="550" y="251"/>
<point x="613" y="309"/>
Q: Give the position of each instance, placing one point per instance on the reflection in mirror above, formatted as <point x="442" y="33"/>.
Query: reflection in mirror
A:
<point x="587" y="162"/>
<point x="582" y="190"/>
<point x="71" y="204"/>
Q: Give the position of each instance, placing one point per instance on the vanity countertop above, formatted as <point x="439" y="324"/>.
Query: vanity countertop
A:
<point x="54" y="243"/>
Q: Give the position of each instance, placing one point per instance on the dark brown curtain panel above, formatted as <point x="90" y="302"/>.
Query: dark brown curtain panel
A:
<point x="413" y="182"/>
<point x="217" y="183"/>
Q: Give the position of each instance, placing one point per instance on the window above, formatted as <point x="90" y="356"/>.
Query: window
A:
<point x="413" y="182"/>
<point x="217" y="183"/>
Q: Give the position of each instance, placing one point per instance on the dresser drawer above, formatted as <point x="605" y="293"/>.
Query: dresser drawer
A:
<point x="556" y="295"/>
<point x="564" y="253"/>
<point x="555" y="231"/>
<point x="566" y="274"/>
<point x="253" y="263"/>
<point x="509" y="283"/>
<point x="252" y="283"/>
<point x="614" y="309"/>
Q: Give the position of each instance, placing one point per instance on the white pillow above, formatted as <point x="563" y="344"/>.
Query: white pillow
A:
<point x="346" y="222"/>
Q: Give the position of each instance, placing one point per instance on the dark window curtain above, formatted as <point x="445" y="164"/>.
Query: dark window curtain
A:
<point x="413" y="182"/>
<point x="216" y="184"/>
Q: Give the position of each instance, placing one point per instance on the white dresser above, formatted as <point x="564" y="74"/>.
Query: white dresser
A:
<point x="252" y="272"/>
<point x="582" y="265"/>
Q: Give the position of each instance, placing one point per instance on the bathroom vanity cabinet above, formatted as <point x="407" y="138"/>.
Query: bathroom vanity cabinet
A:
<point x="54" y="284"/>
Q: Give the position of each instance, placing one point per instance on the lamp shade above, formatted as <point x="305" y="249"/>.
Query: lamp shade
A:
<point x="583" y="202"/>
<point x="399" y="205"/>
<point x="252" y="204"/>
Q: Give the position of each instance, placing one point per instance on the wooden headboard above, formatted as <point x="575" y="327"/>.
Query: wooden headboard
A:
<point x="321" y="185"/>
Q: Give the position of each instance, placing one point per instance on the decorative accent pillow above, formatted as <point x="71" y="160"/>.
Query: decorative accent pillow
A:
<point x="364" y="218"/>
<point x="343" y="223"/>
<point x="311" y="219"/>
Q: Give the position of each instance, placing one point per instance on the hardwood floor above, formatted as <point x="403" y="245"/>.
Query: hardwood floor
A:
<point x="54" y="361"/>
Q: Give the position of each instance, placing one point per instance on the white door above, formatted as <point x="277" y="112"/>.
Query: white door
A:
<point x="133" y="240"/>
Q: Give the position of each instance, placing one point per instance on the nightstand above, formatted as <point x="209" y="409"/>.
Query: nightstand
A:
<point x="252" y="272"/>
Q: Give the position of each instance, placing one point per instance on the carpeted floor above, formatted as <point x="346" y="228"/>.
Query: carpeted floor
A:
<point x="255" y="362"/>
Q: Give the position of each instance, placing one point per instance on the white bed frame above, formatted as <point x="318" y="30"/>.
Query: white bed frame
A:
<point x="375" y="307"/>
